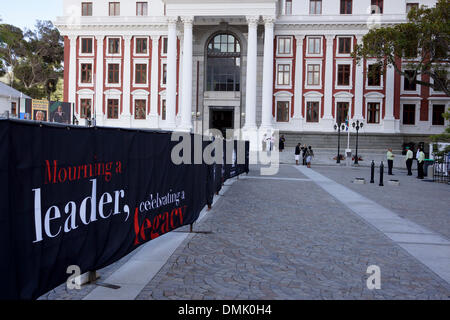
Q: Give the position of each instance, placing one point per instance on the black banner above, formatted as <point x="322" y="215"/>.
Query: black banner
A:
<point x="87" y="197"/>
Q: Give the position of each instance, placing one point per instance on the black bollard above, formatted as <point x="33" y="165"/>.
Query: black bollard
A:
<point x="381" y="173"/>
<point x="372" y="172"/>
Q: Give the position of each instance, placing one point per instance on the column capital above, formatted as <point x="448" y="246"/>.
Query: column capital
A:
<point x="330" y="38"/>
<point x="155" y="38"/>
<point x="359" y="38"/>
<point x="100" y="38"/>
<point x="300" y="38"/>
<point x="252" y="20"/>
<point x="172" y="20"/>
<point x="127" y="37"/>
<point x="187" y="20"/>
<point x="269" y="20"/>
<point x="72" y="37"/>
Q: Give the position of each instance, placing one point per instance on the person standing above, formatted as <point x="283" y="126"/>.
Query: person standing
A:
<point x="297" y="153"/>
<point x="282" y="141"/>
<point x="304" y="150"/>
<point x="309" y="156"/>
<point x="420" y="163"/>
<point x="390" y="159"/>
<point x="409" y="160"/>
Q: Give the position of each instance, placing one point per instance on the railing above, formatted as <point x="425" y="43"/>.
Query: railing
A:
<point x="441" y="169"/>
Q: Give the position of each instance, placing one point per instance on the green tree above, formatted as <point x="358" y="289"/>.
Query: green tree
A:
<point x="422" y="43"/>
<point x="11" y="49"/>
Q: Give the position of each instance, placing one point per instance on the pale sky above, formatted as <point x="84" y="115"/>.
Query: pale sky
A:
<point x="24" y="13"/>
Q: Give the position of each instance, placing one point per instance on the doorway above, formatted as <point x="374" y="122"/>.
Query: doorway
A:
<point x="221" y="119"/>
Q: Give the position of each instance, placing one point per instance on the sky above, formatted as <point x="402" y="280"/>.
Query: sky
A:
<point x="24" y="13"/>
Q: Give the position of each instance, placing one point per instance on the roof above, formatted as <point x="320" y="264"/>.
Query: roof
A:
<point x="7" y="91"/>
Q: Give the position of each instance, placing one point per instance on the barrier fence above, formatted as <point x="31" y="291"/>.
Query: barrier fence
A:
<point x="89" y="196"/>
<point x="441" y="169"/>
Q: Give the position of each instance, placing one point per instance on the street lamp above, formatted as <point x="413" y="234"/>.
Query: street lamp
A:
<point x="357" y="125"/>
<point x="338" y="127"/>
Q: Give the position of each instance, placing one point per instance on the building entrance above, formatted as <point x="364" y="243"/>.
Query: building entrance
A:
<point x="221" y="119"/>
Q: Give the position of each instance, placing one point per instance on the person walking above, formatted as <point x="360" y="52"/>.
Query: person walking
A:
<point x="297" y="153"/>
<point x="282" y="141"/>
<point x="409" y="160"/>
<point x="420" y="163"/>
<point x="304" y="150"/>
<point x="390" y="160"/>
<point x="309" y="156"/>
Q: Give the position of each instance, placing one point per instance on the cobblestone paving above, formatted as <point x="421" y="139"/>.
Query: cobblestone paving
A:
<point x="423" y="202"/>
<point x="288" y="240"/>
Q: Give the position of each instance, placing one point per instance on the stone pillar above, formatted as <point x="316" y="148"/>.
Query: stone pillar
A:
<point x="298" y="90"/>
<point x="186" y="103"/>
<point x="359" y="85"/>
<point x="250" y="95"/>
<point x="73" y="70"/>
<point x="327" y="119"/>
<point x="126" y="115"/>
<point x="99" y="81"/>
<point x="171" y="92"/>
<point x="154" y="81"/>
<point x="389" y="118"/>
<point x="267" y="93"/>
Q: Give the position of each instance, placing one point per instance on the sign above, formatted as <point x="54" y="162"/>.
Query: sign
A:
<point x="60" y="112"/>
<point x="39" y="110"/>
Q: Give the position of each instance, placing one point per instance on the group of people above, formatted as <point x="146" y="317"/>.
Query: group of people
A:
<point x="306" y="152"/>
<point x="420" y="156"/>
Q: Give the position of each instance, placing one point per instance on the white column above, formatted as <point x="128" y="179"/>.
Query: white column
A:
<point x="328" y="83"/>
<point x="126" y="79"/>
<point x="99" y="117"/>
<point x="359" y="85"/>
<point x="267" y="94"/>
<point x="250" y="94"/>
<point x="171" y="92"/>
<point x="154" y="96"/>
<point x="389" y="119"/>
<point x="73" y="69"/>
<point x="298" y="90"/>
<point x="186" y="103"/>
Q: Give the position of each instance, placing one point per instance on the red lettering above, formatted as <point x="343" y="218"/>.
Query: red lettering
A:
<point x="146" y="225"/>
<point x="165" y="224"/>
<point x="153" y="233"/>
<point x="136" y="226"/>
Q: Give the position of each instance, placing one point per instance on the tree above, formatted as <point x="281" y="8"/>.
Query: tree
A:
<point x="421" y="44"/>
<point x="11" y="48"/>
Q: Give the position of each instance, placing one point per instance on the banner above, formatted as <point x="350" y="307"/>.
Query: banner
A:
<point x="39" y="110"/>
<point x="60" y="112"/>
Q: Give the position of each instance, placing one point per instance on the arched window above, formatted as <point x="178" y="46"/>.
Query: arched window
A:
<point x="223" y="64"/>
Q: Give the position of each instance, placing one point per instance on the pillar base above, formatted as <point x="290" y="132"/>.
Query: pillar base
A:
<point x="153" y="120"/>
<point x="389" y="125"/>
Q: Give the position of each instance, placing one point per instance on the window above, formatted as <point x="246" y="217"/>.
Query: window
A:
<point x="113" y="73"/>
<point x="284" y="74"/>
<point x="114" y="8"/>
<point x="345" y="45"/>
<point x="314" y="45"/>
<point x="343" y="75"/>
<point x="315" y="7"/>
<point x="313" y="75"/>
<point x="374" y="75"/>
<point x="141" y="74"/>
<point x="86" y="45"/>
<point x="139" y="109"/>
<point x="163" y="110"/>
<point x="410" y="6"/>
<point x="438" y="119"/>
<point x="86" y="8"/>
<point x="224" y="63"/>
<point x="409" y="114"/>
<point x="373" y="112"/>
<point x="346" y="6"/>
<point x="86" y="73"/>
<point x="284" y="45"/>
<point x="342" y="112"/>
<point x="14" y="108"/>
<point x="114" y="45"/>
<point x="164" y="74"/>
<point x="288" y="9"/>
<point x="85" y="110"/>
<point x="409" y="85"/>
<point x="165" y="44"/>
<point x="113" y="108"/>
<point x="377" y="7"/>
<point x="283" y="111"/>
<point x="141" y="46"/>
<point x="312" y="111"/>
<point x="141" y="8"/>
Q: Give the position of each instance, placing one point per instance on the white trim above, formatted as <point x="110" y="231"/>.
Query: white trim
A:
<point x="415" y="102"/>
<point x="85" y="95"/>
<point x="343" y="97"/>
<point x="313" y="97"/>
<point x="321" y="46"/>
<point x="344" y="62"/>
<point x="162" y="45"/>
<point x="313" y="62"/>
<point x="346" y="55"/>
<point x="107" y="54"/>
<point x="162" y="63"/>
<point x="113" y="61"/>
<point x="290" y="54"/>
<point x="430" y="112"/>
<point x="81" y="54"/>
<point x="140" y="85"/>
<point x="374" y="97"/>
<point x="135" y="46"/>
<point x="283" y="98"/>
<point x="86" y="61"/>
<point x="370" y="62"/>
<point x="283" y="62"/>
<point x="139" y="97"/>
<point x="402" y="85"/>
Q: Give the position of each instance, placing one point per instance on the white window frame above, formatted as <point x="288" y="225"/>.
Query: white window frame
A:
<point x="403" y="91"/>
<point x="381" y="86"/>
<point x="107" y="47"/>
<point x="374" y="97"/>
<point x="135" y="47"/>
<point x="113" y="61"/>
<point x="162" y="45"/>
<point x="140" y="85"/>
<point x="283" y="96"/>
<point x="85" y="94"/>
<point x="140" y="95"/>
<point x="432" y="102"/>
<point x="343" y="97"/>
<point x="321" y="47"/>
<point x="309" y="62"/>
<point x="344" y="62"/>
<point x="351" y="46"/>
<point x="291" y="39"/>
<point x="315" y="14"/>
<point x="86" y="61"/>
<point x="417" y="103"/>
<point x="162" y="96"/>
<point x="283" y="62"/>
<point x="162" y="63"/>
<point x="113" y="94"/>
<point x="80" y="52"/>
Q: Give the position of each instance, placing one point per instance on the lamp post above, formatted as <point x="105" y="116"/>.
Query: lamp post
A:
<point x="357" y="125"/>
<point x="337" y="127"/>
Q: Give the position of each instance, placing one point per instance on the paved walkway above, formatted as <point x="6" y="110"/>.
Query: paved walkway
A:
<point x="286" y="237"/>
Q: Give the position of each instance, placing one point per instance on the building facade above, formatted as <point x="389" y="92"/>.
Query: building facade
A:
<point x="194" y="65"/>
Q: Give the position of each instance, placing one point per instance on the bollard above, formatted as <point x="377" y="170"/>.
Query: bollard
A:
<point x="372" y="172"/>
<point x="381" y="173"/>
